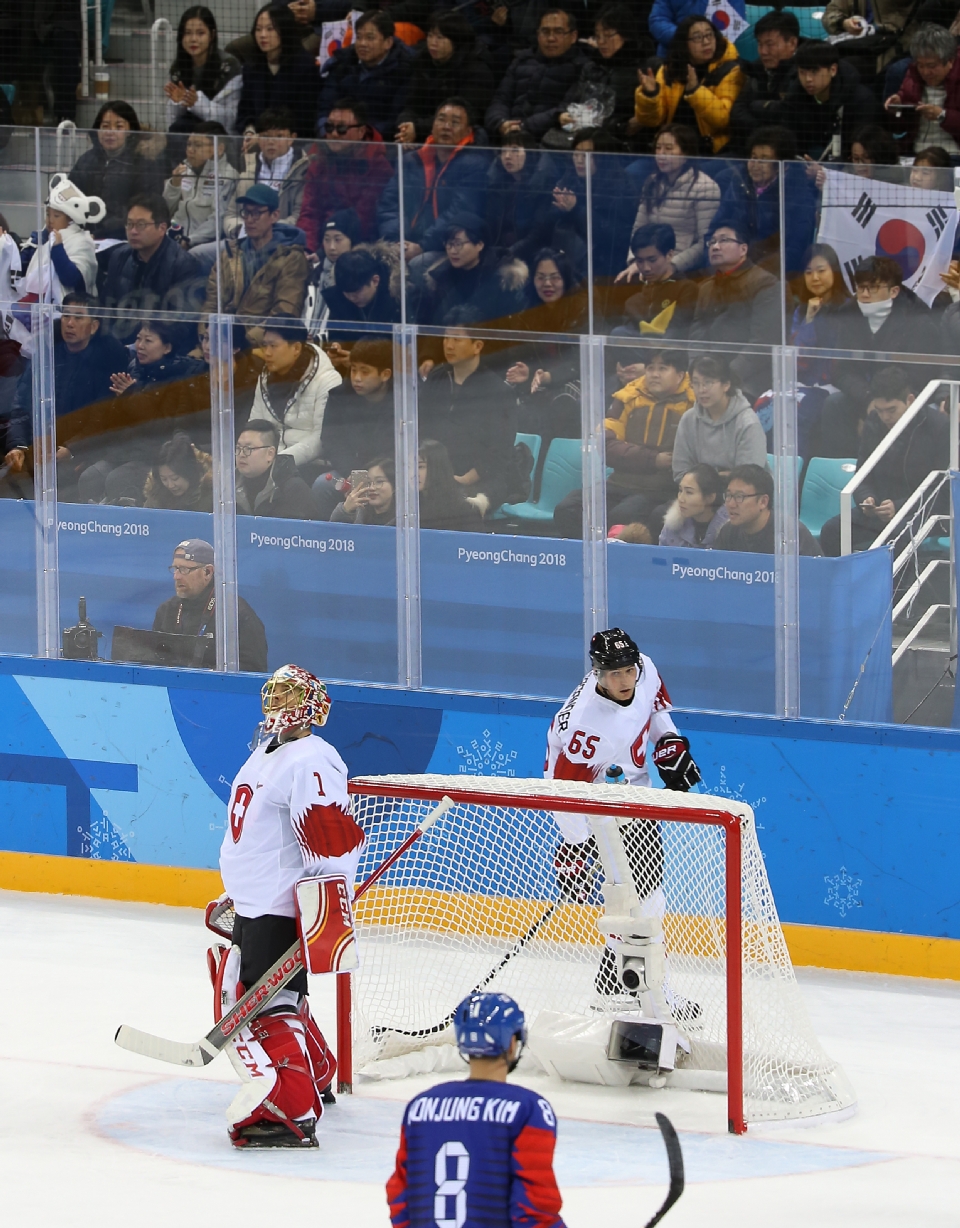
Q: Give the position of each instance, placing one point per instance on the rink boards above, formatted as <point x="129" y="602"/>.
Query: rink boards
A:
<point x="114" y="779"/>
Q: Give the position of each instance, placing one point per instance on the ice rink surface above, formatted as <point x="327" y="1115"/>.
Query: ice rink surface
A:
<point x="93" y="1135"/>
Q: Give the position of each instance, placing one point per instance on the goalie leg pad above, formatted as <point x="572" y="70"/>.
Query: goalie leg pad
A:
<point x="321" y="1055"/>
<point x="281" y="1090"/>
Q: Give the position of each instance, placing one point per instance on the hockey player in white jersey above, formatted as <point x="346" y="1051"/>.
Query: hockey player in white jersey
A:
<point x="289" y="817"/>
<point x="603" y="732"/>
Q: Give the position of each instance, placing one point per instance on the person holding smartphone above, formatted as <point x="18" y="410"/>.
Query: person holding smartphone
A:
<point x="928" y="101"/>
<point x="370" y="499"/>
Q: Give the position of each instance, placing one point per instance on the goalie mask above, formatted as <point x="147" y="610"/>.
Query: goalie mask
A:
<point x="293" y="697"/>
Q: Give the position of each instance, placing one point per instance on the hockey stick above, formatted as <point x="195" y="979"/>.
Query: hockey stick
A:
<point x="255" y="1000"/>
<point x="514" y="950"/>
<point x="675" y="1159"/>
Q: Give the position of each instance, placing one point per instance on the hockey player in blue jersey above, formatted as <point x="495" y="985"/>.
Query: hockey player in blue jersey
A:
<point x="477" y="1153"/>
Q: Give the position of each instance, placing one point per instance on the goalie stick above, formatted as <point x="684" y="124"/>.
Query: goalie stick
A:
<point x="256" y="999"/>
<point x="675" y="1160"/>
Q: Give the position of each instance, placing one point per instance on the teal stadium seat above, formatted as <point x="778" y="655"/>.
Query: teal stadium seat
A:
<point x="562" y="473"/>
<point x="826" y="477"/>
<point x="799" y="460"/>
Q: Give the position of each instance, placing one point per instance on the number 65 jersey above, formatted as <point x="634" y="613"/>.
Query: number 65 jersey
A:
<point x="591" y="732"/>
<point x="288" y="816"/>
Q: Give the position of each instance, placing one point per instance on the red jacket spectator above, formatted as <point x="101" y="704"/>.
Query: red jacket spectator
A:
<point x="345" y="175"/>
<point x="911" y="91"/>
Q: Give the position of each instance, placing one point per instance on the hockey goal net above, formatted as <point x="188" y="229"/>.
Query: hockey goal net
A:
<point x="478" y="894"/>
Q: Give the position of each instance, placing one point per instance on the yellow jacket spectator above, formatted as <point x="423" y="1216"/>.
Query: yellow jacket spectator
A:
<point x="697" y="85"/>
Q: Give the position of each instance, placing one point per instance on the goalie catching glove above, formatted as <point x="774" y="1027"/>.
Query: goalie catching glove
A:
<point x="675" y="763"/>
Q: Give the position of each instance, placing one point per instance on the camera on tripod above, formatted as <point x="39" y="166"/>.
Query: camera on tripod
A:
<point x="80" y="642"/>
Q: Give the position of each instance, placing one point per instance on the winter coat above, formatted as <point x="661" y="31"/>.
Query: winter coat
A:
<point x="217" y="102"/>
<point x="883" y="14"/>
<point x="297" y="412"/>
<point x="290" y="192"/>
<point x="194" y="615"/>
<point x="193" y="205"/>
<point x="688" y="205"/>
<point x="277" y="289"/>
<point x="647" y="425"/>
<point x="465" y="75"/>
<point x="666" y="15"/>
<point x="73" y="260"/>
<point x="758" y="212"/>
<point x="131" y="427"/>
<point x="80" y="380"/>
<point x="383" y="308"/>
<point x="922" y="448"/>
<point x="616" y="78"/>
<point x="742" y="306"/>
<point x="849" y="107"/>
<point x="433" y="193"/>
<point x="200" y="499"/>
<point x="711" y="102"/>
<point x="912" y="91"/>
<point x="283" y="493"/>
<point x="354" y="180"/>
<point x="662" y="308"/>
<point x="382" y="89"/>
<point x="520" y="207"/>
<point x="356" y="430"/>
<point x="910" y="328"/>
<point x="614" y="200"/>
<point x="170" y="281"/>
<point x="494" y="289"/>
<point x="116" y="180"/>
<point x="678" y="531"/>
<point x="295" y="88"/>
<point x="533" y="90"/>
<point x="752" y="108"/>
<point x="736" y="439"/>
<point x="476" y="422"/>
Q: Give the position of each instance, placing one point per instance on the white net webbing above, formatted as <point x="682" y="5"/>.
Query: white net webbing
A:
<point x="480" y="884"/>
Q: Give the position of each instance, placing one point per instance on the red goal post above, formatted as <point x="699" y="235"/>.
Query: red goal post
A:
<point x="469" y="889"/>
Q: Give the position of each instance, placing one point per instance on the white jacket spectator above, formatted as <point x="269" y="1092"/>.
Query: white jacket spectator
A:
<point x="293" y="388"/>
<point x="191" y="191"/>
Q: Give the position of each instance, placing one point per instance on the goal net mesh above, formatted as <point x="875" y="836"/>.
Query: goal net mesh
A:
<point x="480" y="885"/>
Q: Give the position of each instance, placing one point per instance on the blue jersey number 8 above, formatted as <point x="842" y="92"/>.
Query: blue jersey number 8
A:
<point x="451" y="1187"/>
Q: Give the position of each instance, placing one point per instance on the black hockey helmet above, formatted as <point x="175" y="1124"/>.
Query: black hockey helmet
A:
<point x="613" y="649"/>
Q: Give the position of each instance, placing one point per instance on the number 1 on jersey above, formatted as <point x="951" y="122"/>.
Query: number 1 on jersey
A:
<point x="451" y="1187"/>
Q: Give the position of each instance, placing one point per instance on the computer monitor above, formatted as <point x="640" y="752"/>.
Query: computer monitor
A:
<point x="163" y="648"/>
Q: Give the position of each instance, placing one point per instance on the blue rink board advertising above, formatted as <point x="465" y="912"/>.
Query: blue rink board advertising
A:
<point x="857" y="823"/>
<point x="500" y="615"/>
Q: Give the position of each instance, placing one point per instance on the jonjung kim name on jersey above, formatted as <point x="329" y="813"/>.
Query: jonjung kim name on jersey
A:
<point x="464" y="1108"/>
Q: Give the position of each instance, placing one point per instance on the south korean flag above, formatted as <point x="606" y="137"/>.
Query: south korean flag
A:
<point x="865" y="217"/>
<point x="729" y="17"/>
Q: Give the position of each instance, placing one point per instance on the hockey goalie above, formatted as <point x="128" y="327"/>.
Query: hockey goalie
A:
<point x="289" y="819"/>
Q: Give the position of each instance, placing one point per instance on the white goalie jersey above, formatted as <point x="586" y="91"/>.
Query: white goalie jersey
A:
<point x="289" y="816"/>
<point x="591" y="732"/>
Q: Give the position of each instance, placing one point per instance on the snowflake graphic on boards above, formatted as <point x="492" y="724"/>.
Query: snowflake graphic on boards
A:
<point x="734" y="793"/>
<point x="486" y="758"/>
<point x="843" y="891"/>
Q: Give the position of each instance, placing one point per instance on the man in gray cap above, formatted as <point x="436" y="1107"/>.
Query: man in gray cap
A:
<point x="265" y="272"/>
<point x="193" y="610"/>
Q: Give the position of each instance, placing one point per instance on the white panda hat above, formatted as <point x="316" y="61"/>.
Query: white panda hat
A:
<point x="67" y="198"/>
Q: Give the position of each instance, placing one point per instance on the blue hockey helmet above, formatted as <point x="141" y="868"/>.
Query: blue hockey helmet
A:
<point x="486" y="1023"/>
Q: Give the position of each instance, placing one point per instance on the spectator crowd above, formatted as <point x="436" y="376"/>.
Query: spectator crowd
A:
<point x="506" y="178"/>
